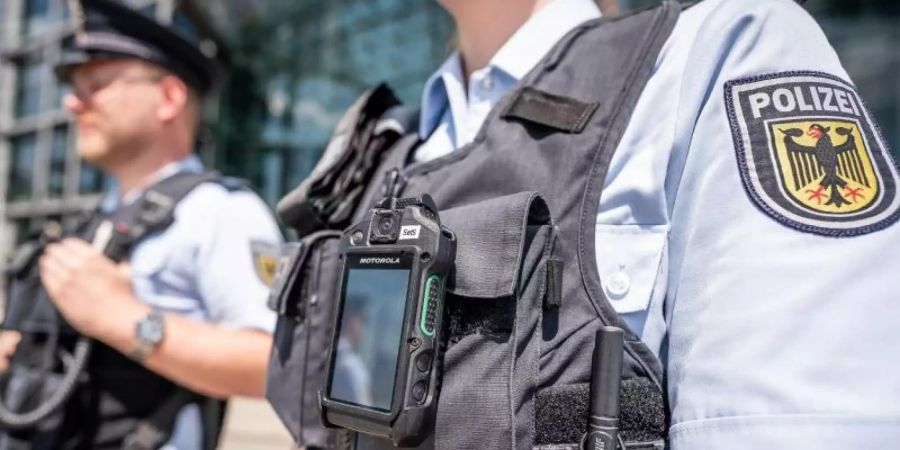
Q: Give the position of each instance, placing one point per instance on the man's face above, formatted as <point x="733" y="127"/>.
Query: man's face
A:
<point x="114" y="103"/>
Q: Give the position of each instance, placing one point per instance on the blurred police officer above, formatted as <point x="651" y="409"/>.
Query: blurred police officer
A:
<point x="769" y="296"/>
<point x="137" y="89"/>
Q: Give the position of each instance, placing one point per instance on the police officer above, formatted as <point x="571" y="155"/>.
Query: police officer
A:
<point x="746" y="231"/>
<point x="137" y="89"/>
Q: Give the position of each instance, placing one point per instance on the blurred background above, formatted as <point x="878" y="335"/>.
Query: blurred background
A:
<point x="292" y="67"/>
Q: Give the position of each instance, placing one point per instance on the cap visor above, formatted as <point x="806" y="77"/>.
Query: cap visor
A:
<point x="68" y="62"/>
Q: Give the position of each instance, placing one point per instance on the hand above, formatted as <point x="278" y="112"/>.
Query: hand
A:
<point x="8" y="341"/>
<point x="90" y="290"/>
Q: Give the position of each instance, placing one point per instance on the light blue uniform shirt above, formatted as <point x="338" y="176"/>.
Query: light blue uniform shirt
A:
<point x="771" y="338"/>
<point x="201" y="267"/>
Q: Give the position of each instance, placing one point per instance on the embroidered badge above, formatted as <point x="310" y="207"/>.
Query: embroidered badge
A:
<point x="810" y="155"/>
<point x="265" y="261"/>
<point x="76" y="13"/>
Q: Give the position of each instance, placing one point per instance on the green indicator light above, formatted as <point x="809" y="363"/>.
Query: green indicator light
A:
<point x="433" y="280"/>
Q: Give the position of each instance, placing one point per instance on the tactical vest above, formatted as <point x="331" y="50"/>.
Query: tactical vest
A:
<point x="526" y="300"/>
<point x="112" y="402"/>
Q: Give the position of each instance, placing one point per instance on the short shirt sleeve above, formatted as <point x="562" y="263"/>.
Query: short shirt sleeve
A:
<point x="235" y="229"/>
<point x="782" y="305"/>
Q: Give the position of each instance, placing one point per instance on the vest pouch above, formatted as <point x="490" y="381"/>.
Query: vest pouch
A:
<point x="303" y="295"/>
<point x="494" y="307"/>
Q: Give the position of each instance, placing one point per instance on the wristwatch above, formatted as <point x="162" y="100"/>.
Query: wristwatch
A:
<point x="149" y="333"/>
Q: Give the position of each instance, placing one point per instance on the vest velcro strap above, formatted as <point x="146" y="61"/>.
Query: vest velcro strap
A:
<point x="561" y="413"/>
<point x="654" y="445"/>
<point x="466" y="316"/>
<point x="555" y="111"/>
<point x="553" y="284"/>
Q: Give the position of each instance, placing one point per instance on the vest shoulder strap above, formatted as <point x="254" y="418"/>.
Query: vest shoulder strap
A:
<point x="153" y="211"/>
<point x="155" y="208"/>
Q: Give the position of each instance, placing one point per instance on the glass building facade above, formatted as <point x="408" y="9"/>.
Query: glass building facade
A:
<point x="305" y="62"/>
<point x="293" y="66"/>
<point x="41" y="177"/>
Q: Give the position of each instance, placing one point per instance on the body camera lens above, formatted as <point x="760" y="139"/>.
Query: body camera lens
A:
<point x="385" y="224"/>
<point x="385" y="227"/>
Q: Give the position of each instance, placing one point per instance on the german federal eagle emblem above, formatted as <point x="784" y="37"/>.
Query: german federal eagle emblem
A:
<point x="76" y="13"/>
<point x="265" y="260"/>
<point x="809" y="154"/>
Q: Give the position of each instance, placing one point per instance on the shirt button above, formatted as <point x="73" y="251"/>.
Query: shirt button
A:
<point x="618" y="283"/>
<point x="487" y="83"/>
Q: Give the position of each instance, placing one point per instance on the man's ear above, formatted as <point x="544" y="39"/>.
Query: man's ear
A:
<point x="174" y="98"/>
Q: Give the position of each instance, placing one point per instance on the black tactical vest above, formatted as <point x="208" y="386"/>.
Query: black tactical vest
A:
<point x="115" y="403"/>
<point x="526" y="300"/>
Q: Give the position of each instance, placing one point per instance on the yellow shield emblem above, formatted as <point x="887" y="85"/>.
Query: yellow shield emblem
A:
<point x="824" y="165"/>
<point x="809" y="154"/>
<point x="265" y="260"/>
<point x="266" y="266"/>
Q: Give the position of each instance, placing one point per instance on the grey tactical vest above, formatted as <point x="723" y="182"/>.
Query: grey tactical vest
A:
<point x="526" y="301"/>
<point x="113" y="403"/>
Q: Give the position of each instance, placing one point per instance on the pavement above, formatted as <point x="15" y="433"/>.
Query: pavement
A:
<point x="250" y="424"/>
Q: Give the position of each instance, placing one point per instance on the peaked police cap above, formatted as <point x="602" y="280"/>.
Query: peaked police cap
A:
<point x="107" y="29"/>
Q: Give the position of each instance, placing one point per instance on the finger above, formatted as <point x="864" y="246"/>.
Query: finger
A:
<point x="78" y="249"/>
<point x="75" y="243"/>
<point x="8" y="342"/>
<point x="73" y="254"/>
<point x="60" y="255"/>
<point x="125" y="270"/>
<point x="52" y="271"/>
<point x="54" y="263"/>
<point x="83" y="252"/>
<point x="15" y="336"/>
<point x="78" y="246"/>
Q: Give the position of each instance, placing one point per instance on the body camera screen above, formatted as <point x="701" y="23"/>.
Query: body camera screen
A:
<point x="370" y="330"/>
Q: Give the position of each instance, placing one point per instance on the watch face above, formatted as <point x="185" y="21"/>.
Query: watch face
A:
<point x="151" y="330"/>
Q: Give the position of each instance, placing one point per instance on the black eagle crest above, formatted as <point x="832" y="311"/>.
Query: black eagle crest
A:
<point x="837" y="162"/>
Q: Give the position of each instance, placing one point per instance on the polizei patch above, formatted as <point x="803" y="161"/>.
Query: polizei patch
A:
<point x="810" y="155"/>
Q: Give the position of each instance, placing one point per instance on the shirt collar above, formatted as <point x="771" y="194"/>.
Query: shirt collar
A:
<point x="533" y="40"/>
<point x="113" y="198"/>
<point x="521" y="53"/>
<point x="435" y="98"/>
